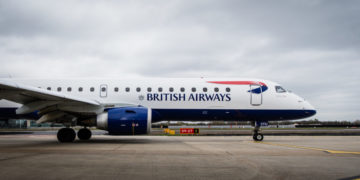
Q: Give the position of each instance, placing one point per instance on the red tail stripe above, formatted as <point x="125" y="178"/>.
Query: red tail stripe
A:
<point x="238" y="82"/>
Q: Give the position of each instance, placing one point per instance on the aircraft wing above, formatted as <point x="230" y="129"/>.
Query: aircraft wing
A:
<point x="51" y="105"/>
<point x="24" y="94"/>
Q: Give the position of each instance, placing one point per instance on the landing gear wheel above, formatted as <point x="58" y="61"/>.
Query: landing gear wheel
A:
<point x="84" y="134"/>
<point x="258" y="137"/>
<point x="66" y="135"/>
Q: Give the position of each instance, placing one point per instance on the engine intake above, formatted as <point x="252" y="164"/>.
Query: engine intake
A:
<point x="125" y="121"/>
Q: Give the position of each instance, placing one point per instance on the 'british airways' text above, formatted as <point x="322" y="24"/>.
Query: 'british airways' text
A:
<point x="187" y="97"/>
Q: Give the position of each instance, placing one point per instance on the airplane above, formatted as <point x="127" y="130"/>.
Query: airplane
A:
<point x="129" y="106"/>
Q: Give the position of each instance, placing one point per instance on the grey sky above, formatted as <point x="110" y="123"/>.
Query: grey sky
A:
<point x="309" y="46"/>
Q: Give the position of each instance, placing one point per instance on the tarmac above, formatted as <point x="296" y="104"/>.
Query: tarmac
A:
<point x="40" y="156"/>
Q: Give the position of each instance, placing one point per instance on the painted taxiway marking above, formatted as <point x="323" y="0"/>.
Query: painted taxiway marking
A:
<point x="311" y="148"/>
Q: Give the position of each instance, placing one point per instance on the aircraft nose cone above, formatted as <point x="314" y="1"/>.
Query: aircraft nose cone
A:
<point x="308" y="106"/>
<point x="309" y="113"/>
<point x="309" y="110"/>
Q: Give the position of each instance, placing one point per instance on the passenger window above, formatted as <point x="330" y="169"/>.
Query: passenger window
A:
<point x="59" y="89"/>
<point x="182" y="89"/>
<point x="127" y="89"/>
<point x="116" y="89"/>
<point x="216" y="89"/>
<point x="279" y="89"/>
<point x="205" y="89"/>
<point x="149" y="89"/>
<point x="138" y="89"/>
<point x="92" y="89"/>
<point x="49" y="88"/>
<point x="171" y="89"/>
<point x="69" y="89"/>
<point x="160" y="89"/>
<point x="227" y="89"/>
<point x="80" y="89"/>
<point x="193" y="89"/>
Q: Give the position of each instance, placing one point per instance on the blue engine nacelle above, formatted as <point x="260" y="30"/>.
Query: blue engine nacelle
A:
<point x="125" y="121"/>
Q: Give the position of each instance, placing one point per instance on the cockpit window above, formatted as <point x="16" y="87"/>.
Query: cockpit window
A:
<point x="279" y="89"/>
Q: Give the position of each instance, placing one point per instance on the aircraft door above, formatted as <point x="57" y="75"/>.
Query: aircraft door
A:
<point x="255" y="95"/>
<point x="103" y="90"/>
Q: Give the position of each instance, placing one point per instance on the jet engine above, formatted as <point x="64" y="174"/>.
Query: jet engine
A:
<point x="125" y="121"/>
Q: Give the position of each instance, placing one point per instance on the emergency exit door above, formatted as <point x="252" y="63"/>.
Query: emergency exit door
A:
<point x="256" y="95"/>
<point x="103" y="90"/>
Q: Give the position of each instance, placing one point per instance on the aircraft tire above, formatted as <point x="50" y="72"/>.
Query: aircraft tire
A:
<point x="84" y="134"/>
<point x="258" y="137"/>
<point x="66" y="135"/>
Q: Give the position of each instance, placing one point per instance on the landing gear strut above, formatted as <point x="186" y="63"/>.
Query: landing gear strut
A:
<point x="257" y="136"/>
<point x="84" y="134"/>
<point x="66" y="135"/>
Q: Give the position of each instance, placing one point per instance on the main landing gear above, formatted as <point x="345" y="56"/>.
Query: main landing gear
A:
<point x="84" y="134"/>
<point x="257" y="136"/>
<point x="66" y="135"/>
<point x="69" y="135"/>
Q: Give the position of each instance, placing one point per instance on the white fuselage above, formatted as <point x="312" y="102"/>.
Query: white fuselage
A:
<point x="175" y="93"/>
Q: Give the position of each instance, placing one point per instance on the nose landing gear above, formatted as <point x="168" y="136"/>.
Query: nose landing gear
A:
<point x="257" y="136"/>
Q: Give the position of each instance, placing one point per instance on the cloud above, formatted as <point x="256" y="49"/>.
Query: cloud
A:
<point x="311" y="47"/>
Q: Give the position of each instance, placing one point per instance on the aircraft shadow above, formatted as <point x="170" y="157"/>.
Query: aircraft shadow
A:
<point x="119" y="141"/>
<point x="14" y="132"/>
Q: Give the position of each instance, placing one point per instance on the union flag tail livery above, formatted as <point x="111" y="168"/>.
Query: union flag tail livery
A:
<point x="129" y="106"/>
